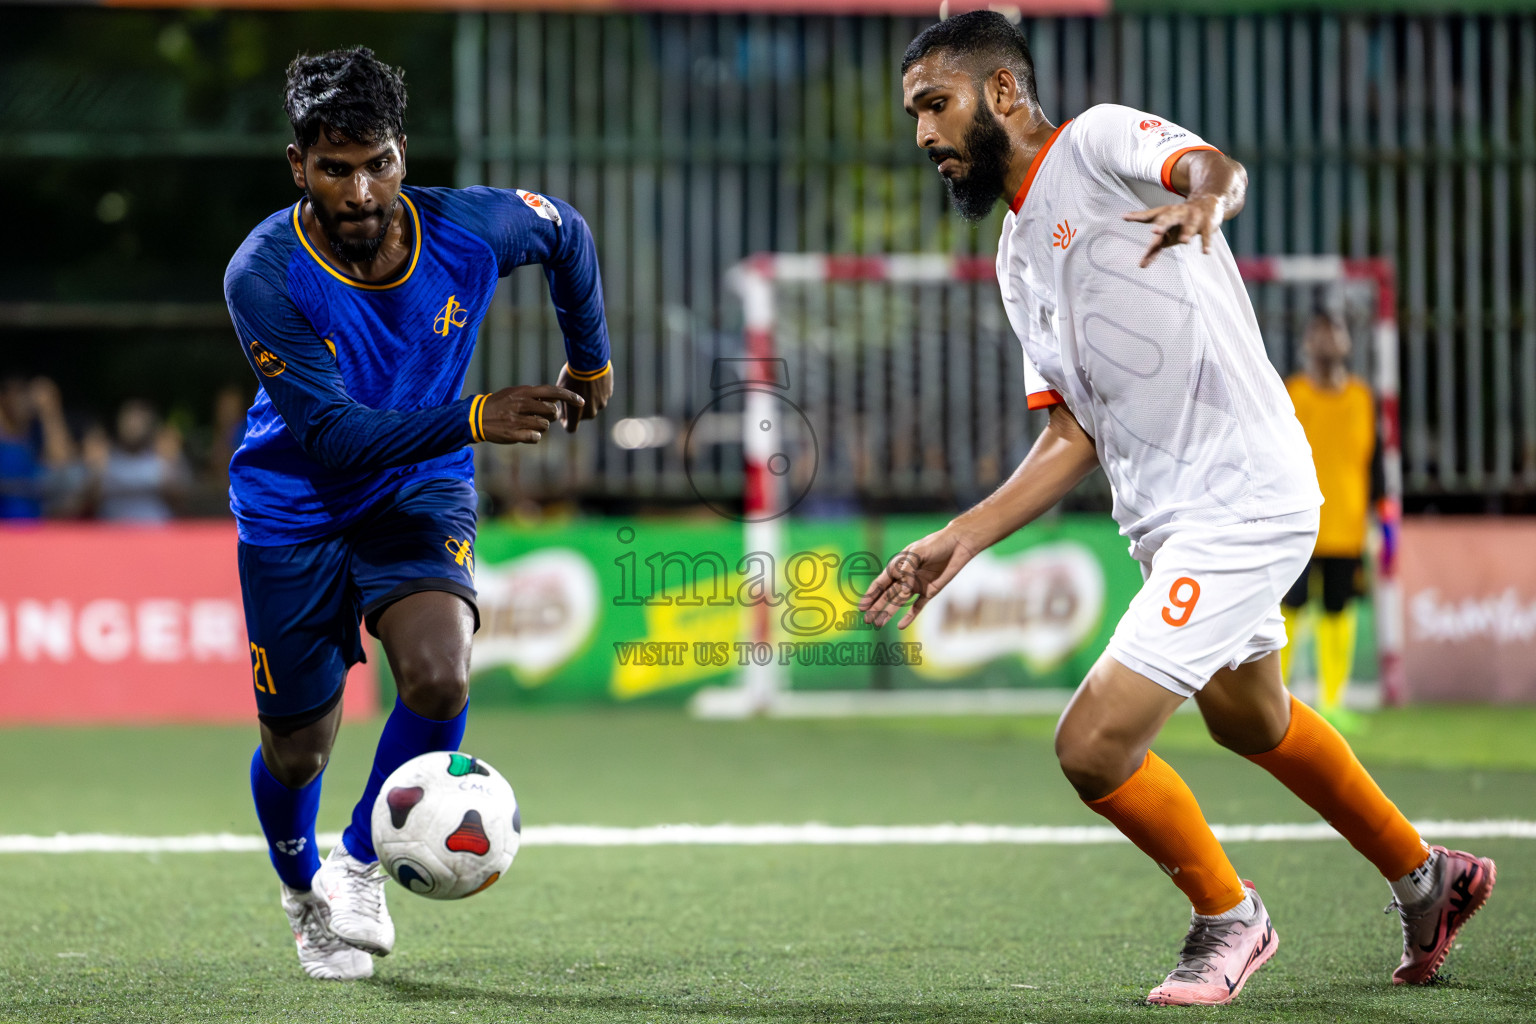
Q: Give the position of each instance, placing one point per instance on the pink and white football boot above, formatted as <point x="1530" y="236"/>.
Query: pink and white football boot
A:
<point x="1218" y="958"/>
<point x="1461" y="887"/>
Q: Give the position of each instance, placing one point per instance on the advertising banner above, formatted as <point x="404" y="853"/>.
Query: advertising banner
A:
<point x="138" y="624"/>
<point x="604" y="610"/>
<point x="651" y="610"/>
<point x="1035" y="610"/>
<point x="1469" y="609"/>
<point x="106" y="623"/>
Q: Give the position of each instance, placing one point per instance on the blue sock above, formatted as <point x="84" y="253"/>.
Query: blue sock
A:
<point x="406" y="735"/>
<point x="288" y="821"/>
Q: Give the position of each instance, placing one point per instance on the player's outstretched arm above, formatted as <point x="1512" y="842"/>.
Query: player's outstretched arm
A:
<point x="522" y="415"/>
<point x="1062" y="455"/>
<point x="1217" y="187"/>
<point x="576" y="288"/>
<point x="526" y="227"/>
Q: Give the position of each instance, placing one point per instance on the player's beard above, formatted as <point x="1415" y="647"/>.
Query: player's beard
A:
<point x="987" y="148"/>
<point x="359" y="250"/>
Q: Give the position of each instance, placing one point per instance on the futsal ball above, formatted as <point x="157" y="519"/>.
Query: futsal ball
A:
<point x="446" y="825"/>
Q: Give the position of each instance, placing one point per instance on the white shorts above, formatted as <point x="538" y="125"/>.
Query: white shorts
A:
<point x="1212" y="600"/>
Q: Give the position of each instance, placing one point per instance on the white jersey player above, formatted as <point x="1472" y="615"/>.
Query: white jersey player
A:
<point x="1148" y="355"/>
<point x="1163" y="366"/>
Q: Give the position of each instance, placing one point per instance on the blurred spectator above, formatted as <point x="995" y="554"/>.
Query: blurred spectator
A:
<point x="228" y="430"/>
<point x="142" y="477"/>
<point x="36" y="449"/>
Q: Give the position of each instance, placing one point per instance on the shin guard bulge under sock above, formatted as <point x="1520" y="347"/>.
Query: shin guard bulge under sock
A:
<point x="1156" y="811"/>
<point x="406" y="735"/>
<point x="287" y="819"/>
<point x="1314" y="762"/>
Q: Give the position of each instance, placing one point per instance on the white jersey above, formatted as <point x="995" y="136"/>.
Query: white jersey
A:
<point x="1163" y="366"/>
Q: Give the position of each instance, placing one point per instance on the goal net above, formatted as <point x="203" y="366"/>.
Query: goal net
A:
<point x="893" y="383"/>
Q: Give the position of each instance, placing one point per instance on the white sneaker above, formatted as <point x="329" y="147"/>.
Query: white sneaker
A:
<point x="1218" y="958"/>
<point x="321" y="953"/>
<point x="355" y="892"/>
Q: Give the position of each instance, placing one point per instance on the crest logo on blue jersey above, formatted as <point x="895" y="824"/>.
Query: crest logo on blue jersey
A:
<point x="450" y="316"/>
<point x="463" y="554"/>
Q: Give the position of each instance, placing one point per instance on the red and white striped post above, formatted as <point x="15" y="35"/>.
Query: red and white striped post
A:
<point x="762" y="489"/>
<point x="756" y="280"/>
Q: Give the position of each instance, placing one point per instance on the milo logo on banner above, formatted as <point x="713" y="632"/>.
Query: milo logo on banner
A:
<point x="1042" y="605"/>
<point x="537" y="612"/>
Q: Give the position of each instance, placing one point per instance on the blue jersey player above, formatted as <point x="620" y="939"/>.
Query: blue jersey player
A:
<point x="358" y="308"/>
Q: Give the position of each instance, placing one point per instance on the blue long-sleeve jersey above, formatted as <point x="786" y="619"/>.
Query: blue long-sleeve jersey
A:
<point x="360" y="381"/>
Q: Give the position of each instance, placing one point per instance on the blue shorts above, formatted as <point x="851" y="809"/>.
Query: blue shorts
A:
<point x="303" y="601"/>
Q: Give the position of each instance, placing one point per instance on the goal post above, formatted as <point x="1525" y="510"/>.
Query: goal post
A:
<point x="760" y="283"/>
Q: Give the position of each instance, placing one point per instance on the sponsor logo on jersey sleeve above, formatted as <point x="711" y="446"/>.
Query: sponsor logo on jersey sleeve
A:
<point x="266" y="360"/>
<point x="1149" y="124"/>
<point x="540" y="205"/>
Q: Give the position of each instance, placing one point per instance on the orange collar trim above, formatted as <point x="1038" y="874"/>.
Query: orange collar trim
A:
<point x="1034" y="167"/>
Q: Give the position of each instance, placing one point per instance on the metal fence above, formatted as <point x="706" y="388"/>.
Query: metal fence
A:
<point x="690" y="142"/>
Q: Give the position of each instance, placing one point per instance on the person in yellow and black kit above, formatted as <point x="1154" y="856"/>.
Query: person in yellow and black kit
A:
<point x="1337" y="411"/>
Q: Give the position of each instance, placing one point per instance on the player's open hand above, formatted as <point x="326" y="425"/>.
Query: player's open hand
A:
<point x="521" y="415"/>
<point x="1199" y="217"/>
<point x="922" y="570"/>
<point x="597" y="392"/>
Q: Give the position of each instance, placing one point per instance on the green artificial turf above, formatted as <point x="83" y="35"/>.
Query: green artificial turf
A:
<point x="697" y="934"/>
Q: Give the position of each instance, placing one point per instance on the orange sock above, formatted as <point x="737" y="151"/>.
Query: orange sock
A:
<point x="1315" y="763"/>
<point x="1157" y="812"/>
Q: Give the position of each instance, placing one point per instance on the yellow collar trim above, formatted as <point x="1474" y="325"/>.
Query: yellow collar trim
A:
<point x="298" y="228"/>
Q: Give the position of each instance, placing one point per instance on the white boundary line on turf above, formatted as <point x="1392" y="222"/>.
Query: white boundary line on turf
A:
<point x="732" y="702"/>
<point x="810" y="834"/>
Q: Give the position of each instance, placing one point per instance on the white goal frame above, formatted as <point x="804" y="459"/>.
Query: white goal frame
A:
<point x="764" y="689"/>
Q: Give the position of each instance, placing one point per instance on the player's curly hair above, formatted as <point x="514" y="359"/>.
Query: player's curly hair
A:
<point x="985" y="41"/>
<point x="349" y="94"/>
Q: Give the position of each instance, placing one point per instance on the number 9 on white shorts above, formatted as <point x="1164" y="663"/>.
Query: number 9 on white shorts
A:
<point x="1211" y="600"/>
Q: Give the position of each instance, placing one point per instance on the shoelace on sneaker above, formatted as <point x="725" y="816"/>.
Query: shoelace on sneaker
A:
<point x="316" y="933"/>
<point x="365" y="884"/>
<point x="1205" y="940"/>
<point x="1406" y="918"/>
